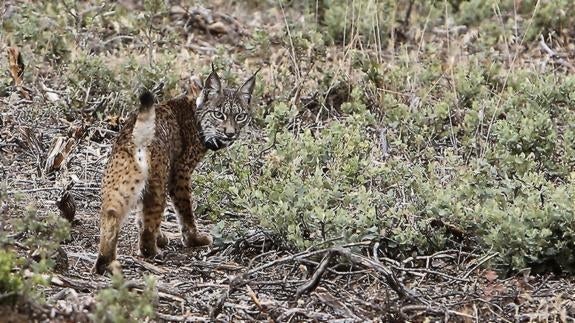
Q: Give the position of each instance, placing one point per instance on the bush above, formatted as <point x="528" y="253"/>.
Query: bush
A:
<point x="471" y="165"/>
<point x="120" y="304"/>
<point x="40" y="235"/>
<point x="549" y="17"/>
<point x="11" y="283"/>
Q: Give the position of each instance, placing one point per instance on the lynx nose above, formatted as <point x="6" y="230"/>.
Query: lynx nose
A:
<point x="230" y="133"/>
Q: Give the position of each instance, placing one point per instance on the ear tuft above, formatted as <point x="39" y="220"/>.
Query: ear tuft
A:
<point x="246" y="90"/>
<point x="213" y="84"/>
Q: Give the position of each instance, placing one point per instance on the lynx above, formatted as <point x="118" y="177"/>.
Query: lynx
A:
<point x="154" y="156"/>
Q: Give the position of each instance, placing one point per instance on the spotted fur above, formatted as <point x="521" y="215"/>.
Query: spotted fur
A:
<point x="155" y="155"/>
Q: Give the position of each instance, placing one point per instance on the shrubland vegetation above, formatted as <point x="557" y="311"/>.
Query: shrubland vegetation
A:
<point x="426" y="125"/>
<point x="21" y="275"/>
<point x="446" y="143"/>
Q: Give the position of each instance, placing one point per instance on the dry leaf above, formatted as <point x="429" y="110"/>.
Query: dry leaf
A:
<point x="490" y="275"/>
<point x="195" y="87"/>
<point x="67" y="206"/>
<point x="58" y="154"/>
<point x="77" y="132"/>
<point x="15" y="65"/>
<point x="113" y="121"/>
<point x="218" y="28"/>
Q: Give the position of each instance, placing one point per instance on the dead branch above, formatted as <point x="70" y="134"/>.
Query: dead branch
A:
<point x="390" y="278"/>
<point x="314" y="281"/>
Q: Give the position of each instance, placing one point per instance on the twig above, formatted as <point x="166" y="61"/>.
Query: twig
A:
<point x="553" y="55"/>
<point x="322" y="317"/>
<point x="337" y="305"/>
<point x="181" y="318"/>
<point x="430" y="310"/>
<point x="303" y="254"/>
<point x="314" y="281"/>
<point x="44" y="189"/>
<point x="33" y="190"/>
<point x="390" y="278"/>
<point x="256" y="301"/>
<point x="432" y="272"/>
<point x="481" y="262"/>
<point x="235" y="283"/>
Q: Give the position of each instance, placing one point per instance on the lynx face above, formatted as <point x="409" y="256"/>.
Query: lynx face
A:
<point x="222" y="113"/>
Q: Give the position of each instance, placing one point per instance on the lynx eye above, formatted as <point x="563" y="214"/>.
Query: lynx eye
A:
<point x="218" y="115"/>
<point x="241" y="117"/>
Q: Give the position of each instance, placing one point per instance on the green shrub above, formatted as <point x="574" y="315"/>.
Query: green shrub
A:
<point x="120" y="304"/>
<point x="493" y="162"/>
<point x="549" y="17"/>
<point x="11" y="282"/>
<point x="40" y="235"/>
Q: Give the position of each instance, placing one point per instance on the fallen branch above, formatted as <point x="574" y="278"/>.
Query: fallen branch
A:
<point x="314" y="281"/>
<point x="390" y="278"/>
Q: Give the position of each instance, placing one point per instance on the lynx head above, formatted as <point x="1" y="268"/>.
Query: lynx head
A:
<point x="223" y="112"/>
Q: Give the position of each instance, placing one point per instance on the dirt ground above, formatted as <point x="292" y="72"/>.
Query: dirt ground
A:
<point x="253" y="278"/>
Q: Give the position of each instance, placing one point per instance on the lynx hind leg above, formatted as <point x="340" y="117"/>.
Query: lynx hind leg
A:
<point x="153" y="205"/>
<point x="121" y="188"/>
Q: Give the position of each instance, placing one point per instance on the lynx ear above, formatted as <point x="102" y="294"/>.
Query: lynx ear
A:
<point x="213" y="84"/>
<point x="245" y="92"/>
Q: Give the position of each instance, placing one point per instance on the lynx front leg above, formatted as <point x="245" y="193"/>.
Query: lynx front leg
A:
<point x="181" y="194"/>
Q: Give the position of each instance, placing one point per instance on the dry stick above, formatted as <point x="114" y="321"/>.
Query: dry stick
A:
<point x="234" y="284"/>
<point x="553" y="55"/>
<point x="304" y="312"/>
<point x="44" y="189"/>
<point x="481" y="262"/>
<point x="430" y="310"/>
<point x="180" y="318"/>
<point x="242" y="279"/>
<point x="314" y="281"/>
<point x="337" y="305"/>
<point x="258" y="303"/>
<point x="390" y="278"/>
<point x="90" y="256"/>
<point x="303" y="254"/>
<point x="163" y="291"/>
<point x="431" y="272"/>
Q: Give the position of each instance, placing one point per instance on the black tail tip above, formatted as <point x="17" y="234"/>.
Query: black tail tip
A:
<point x="146" y="99"/>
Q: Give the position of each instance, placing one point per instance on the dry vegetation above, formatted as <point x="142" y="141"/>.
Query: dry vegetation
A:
<point x="408" y="160"/>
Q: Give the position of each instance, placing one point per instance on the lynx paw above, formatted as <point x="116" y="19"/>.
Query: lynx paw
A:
<point x="162" y="240"/>
<point x="196" y="240"/>
<point x="148" y="246"/>
<point x="103" y="264"/>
